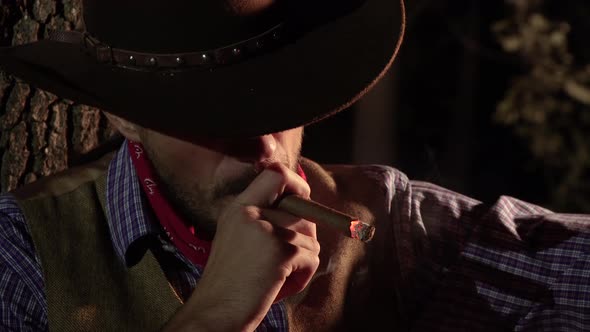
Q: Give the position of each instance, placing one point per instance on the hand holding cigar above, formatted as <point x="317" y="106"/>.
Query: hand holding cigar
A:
<point x="320" y="214"/>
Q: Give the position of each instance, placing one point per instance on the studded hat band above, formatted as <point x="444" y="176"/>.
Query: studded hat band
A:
<point x="230" y="54"/>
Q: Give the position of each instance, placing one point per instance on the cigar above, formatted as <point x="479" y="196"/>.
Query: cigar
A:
<point x="323" y="215"/>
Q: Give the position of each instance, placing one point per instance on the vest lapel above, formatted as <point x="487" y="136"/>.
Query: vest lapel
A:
<point x="87" y="287"/>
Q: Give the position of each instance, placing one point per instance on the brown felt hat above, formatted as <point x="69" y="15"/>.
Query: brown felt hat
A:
<point x="220" y="68"/>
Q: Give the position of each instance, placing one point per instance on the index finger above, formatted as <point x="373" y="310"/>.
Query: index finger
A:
<point x="274" y="181"/>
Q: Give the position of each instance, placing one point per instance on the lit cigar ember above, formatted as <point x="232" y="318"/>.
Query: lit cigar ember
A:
<point x="320" y="214"/>
<point x="362" y="231"/>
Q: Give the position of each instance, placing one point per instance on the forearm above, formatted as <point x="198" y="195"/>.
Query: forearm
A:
<point x="208" y="309"/>
<point x="197" y="315"/>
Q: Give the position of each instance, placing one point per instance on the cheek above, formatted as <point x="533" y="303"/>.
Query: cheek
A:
<point x="186" y="161"/>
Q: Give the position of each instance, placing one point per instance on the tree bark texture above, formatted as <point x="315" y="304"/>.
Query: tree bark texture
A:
<point x="40" y="133"/>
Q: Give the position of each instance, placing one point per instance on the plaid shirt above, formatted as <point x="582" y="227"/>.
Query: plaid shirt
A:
<point x="511" y="266"/>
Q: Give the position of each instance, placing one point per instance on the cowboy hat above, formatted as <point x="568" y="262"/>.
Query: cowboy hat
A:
<point x="217" y="67"/>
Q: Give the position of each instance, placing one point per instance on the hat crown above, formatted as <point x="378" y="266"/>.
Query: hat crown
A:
<point x="176" y="26"/>
<point x="173" y="26"/>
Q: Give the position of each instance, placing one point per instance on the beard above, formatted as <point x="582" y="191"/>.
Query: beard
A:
<point x="201" y="204"/>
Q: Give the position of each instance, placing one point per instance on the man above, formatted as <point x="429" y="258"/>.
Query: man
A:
<point x="180" y="229"/>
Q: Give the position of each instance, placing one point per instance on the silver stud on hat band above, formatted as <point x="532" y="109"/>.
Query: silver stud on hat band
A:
<point x="230" y="54"/>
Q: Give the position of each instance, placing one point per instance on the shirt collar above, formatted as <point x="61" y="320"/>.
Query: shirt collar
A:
<point x="130" y="222"/>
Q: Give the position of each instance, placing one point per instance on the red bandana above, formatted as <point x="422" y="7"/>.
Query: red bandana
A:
<point x="180" y="233"/>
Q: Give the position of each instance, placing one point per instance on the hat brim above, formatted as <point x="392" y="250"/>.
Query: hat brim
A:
<point x="318" y="75"/>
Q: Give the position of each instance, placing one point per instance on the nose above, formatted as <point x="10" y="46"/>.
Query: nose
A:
<point x="254" y="149"/>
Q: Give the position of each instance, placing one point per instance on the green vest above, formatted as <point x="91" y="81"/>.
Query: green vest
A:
<point x="89" y="289"/>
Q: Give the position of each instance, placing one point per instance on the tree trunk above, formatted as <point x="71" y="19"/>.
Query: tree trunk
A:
<point x="40" y="133"/>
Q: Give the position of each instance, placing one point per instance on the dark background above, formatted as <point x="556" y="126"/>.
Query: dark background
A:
<point x="443" y="94"/>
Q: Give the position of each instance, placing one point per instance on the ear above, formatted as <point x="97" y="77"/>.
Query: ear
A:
<point x="128" y="129"/>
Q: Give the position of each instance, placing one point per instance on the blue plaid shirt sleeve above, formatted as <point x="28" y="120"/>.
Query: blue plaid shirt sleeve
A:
<point x="506" y="266"/>
<point x="23" y="306"/>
